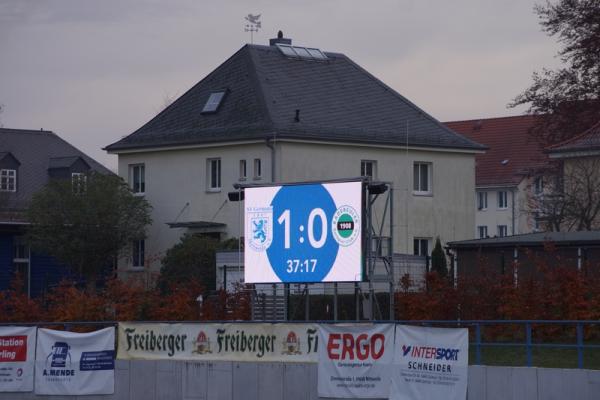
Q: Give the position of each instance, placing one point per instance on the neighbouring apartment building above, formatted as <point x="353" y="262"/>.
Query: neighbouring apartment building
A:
<point x="28" y="160"/>
<point x="286" y="113"/>
<point x="579" y="158"/>
<point x="508" y="174"/>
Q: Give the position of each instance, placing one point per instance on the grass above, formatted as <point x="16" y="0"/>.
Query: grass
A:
<point x="545" y="357"/>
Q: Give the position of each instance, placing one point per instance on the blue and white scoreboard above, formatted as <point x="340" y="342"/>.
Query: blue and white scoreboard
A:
<point x="303" y="233"/>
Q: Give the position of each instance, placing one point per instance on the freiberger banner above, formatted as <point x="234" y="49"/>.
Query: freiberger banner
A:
<point x="17" y="355"/>
<point x="69" y="363"/>
<point x="354" y="360"/>
<point x="430" y="363"/>
<point x="227" y="342"/>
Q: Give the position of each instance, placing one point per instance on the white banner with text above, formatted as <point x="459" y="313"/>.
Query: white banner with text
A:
<point x="226" y="342"/>
<point x="354" y="360"/>
<point x="430" y="363"/>
<point x="69" y="363"/>
<point x="17" y="355"/>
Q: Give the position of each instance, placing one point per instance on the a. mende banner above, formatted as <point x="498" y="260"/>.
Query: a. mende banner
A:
<point x="354" y="360"/>
<point x="227" y="342"/>
<point x="430" y="363"/>
<point x="69" y="363"/>
<point x="17" y="354"/>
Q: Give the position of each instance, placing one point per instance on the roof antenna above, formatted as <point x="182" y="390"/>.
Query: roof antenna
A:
<point x="297" y="117"/>
<point x="253" y="25"/>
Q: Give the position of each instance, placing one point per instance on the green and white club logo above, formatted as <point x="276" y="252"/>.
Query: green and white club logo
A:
<point x="345" y="225"/>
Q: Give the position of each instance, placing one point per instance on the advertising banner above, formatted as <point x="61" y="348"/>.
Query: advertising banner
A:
<point x="70" y="363"/>
<point x="226" y="342"/>
<point x="354" y="360"/>
<point x="17" y="355"/>
<point x="430" y="363"/>
<point x="303" y="233"/>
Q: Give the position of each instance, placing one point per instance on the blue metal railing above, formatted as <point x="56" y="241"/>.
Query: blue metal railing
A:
<point x="477" y="325"/>
<point x="528" y="344"/>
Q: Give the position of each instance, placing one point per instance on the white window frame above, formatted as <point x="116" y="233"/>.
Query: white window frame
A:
<point x="78" y="182"/>
<point x="213" y="185"/>
<point x="364" y="166"/>
<point x="138" y="254"/>
<point x="502" y="230"/>
<point x="482" y="200"/>
<point x="417" y="189"/>
<point x="422" y="240"/>
<point x="500" y="195"/>
<point x="243" y="170"/>
<point x="482" y="232"/>
<point x="8" y="180"/>
<point x="139" y="171"/>
<point x="257" y="169"/>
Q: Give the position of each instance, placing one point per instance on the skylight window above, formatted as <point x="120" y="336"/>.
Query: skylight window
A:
<point x="301" y="52"/>
<point x="317" y="54"/>
<point x="287" y="50"/>
<point x="213" y="102"/>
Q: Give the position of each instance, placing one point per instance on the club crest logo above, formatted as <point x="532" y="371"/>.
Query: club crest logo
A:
<point x="259" y="227"/>
<point x="345" y="225"/>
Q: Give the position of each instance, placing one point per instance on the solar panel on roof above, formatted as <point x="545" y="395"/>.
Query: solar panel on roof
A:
<point x="301" y="52"/>
<point x="287" y="50"/>
<point x="316" y="53"/>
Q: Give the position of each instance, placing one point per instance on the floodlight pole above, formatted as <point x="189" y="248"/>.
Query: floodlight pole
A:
<point x="392" y="277"/>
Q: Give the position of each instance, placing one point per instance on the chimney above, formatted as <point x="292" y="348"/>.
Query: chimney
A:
<point x="280" y="39"/>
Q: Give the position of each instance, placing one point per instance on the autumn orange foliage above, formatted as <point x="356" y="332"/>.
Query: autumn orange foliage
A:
<point x="121" y="301"/>
<point x="549" y="293"/>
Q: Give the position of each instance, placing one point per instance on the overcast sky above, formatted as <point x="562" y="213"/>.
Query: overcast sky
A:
<point x="94" y="71"/>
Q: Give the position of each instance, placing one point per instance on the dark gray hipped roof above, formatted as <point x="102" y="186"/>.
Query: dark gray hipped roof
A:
<point x="533" y="239"/>
<point x="34" y="150"/>
<point x="336" y="101"/>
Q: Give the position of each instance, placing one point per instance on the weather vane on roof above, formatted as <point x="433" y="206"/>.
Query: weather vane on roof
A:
<point x="253" y="25"/>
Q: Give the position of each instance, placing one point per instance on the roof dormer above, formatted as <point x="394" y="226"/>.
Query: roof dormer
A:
<point x="65" y="167"/>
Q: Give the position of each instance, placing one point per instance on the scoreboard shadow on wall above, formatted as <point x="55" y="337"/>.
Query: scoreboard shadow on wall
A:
<point x="304" y="233"/>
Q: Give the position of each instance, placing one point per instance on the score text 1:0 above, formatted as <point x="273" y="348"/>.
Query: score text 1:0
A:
<point x="297" y="265"/>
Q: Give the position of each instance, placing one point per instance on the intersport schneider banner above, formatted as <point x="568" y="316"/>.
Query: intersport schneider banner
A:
<point x="227" y="342"/>
<point x="354" y="360"/>
<point x="430" y="363"/>
<point x="69" y="363"/>
<point x="17" y="356"/>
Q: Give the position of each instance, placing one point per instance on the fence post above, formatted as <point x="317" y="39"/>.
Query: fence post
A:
<point x="579" y="345"/>
<point x="528" y="344"/>
<point x="477" y="344"/>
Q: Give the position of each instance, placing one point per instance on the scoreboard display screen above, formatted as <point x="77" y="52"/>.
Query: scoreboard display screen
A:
<point x="303" y="233"/>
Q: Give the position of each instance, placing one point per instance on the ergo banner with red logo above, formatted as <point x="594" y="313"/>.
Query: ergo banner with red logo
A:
<point x="354" y="360"/>
<point x="17" y="354"/>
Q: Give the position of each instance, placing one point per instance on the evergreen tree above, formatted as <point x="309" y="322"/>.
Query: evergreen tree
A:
<point x="438" y="259"/>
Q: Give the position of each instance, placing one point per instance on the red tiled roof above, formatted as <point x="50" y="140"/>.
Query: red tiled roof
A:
<point x="512" y="151"/>
<point x="588" y="140"/>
